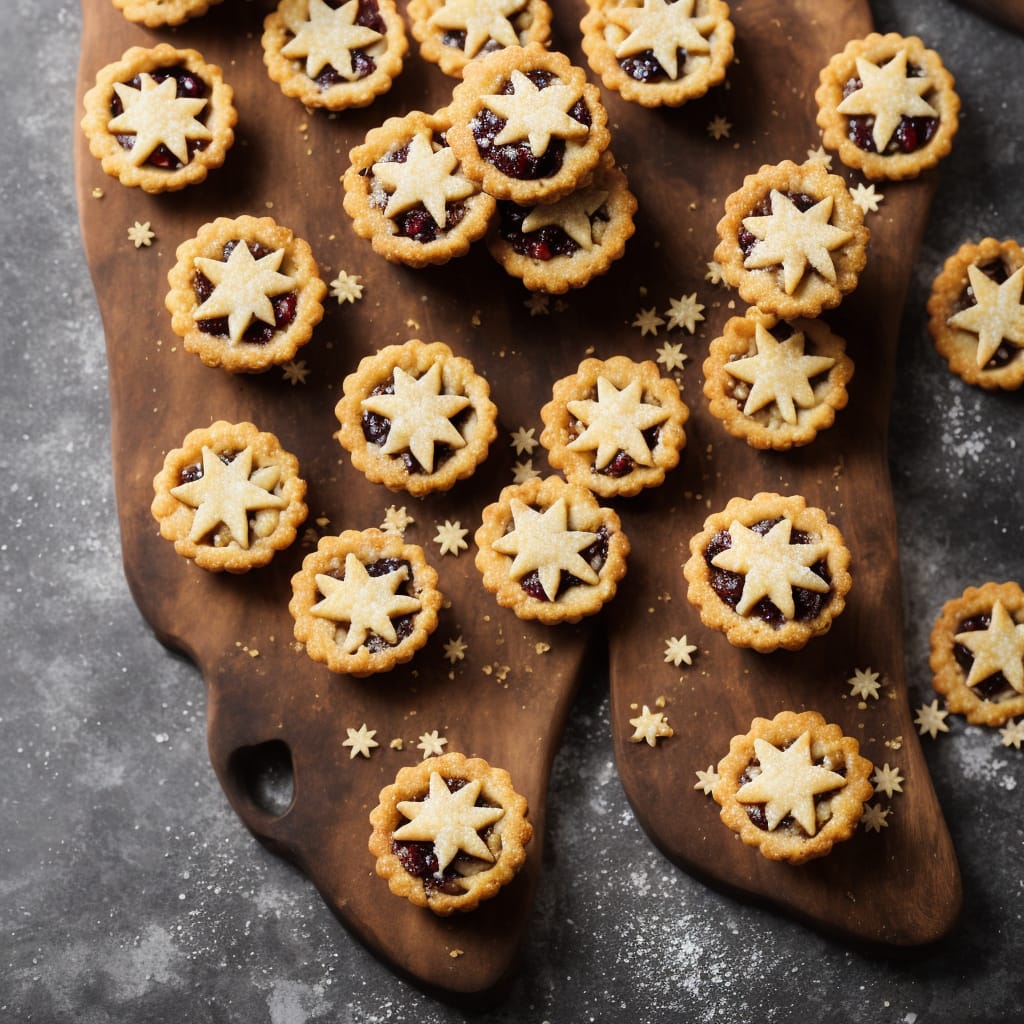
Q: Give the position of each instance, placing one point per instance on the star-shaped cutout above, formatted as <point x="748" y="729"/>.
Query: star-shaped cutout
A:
<point x="672" y="356"/>
<point x="425" y="177"/>
<point x="396" y="520"/>
<point x="719" y="128"/>
<point x="714" y="273"/>
<point x="615" y="423"/>
<point x="664" y="28"/>
<point x="226" y="493"/>
<point x="771" y="566"/>
<point x="685" y="312"/>
<point x="887" y="780"/>
<point x="788" y="782"/>
<point x="360" y="740"/>
<point x="536" y="114"/>
<point x="997" y="314"/>
<point x="874" y="817"/>
<point x="650" y="726"/>
<point x="572" y="214"/>
<point x="1012" y="734"/>
<point x="243" y="288"/>
<point x="999" y="648"/>
<point x="156" y="115"/>
<point x="295" y="371"/>
<point x="523" y="471"/>
<point x="328" y="36"/>
<point x="451" y="821"/>
<point x="542" y="541"/>
<point x="865" y="197"/>
<point x="821" y="156"/>
<point x="523" y="440"/>
<point x="706" y="779"/>
<point x="538" y="304"/>
<point x="931" y="719"/>
<point x="451" y="537"/>
<point x="888" y="94"/>
<point x="455" y="649"/>
<point x="141" y="234"/>
<point x="481" y="20"/>
<point x="347" y="287"/>
<point x="647" y="322"/>
<point x="793" y="239"/>
<point x="679" y="650"/>
<point x="367" y="603"/>
<point x="864" y="683"/>
<point x="432" y="744"/>
<point x="420" y="414"/>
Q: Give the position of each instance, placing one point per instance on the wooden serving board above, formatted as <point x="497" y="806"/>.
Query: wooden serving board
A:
<point x="277" y="719"/>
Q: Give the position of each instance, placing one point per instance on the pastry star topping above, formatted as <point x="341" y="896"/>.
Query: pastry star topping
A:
<point x="226" y="493"/>
<point x="999" y="648"/>
<point x="793" y="238"/>
<point x="771" y="566"/>
<point x="685" y="312"/>
<point x="615" y="423"/>
<point x="420" y="415"/>
<point x="864" y="683"/>
<point x="650" y="726"/>
<point x="572" y="214"/>
<point x="931" y="719"/>
<point x="1012" y="735"/>
<point x="678" y="650"/>
<point x="360" y="740"/>
<point x="788" y="782"/>
<point x="779" y="373"/>
<point x="425" y="177"/>
<point x="543" y="541"/>
<point x="888" y="94"/>
<point x="451" y="537"/>
<point x="481" y="20"/>
<point x="536" y="114"/>
<point x="243" y="288"/>
<point x="664" y="28"/>
<point x="887" y="780"/>
<point x="367" y="603"/>
<point x="997" y="315"/>
<point x="156" y="115"/>
<point x="329" y="36"/>
<point x="874" y="818"/>
<point x="706" y="779"/>
<point x="450" y="821"/>
<point x="432" y="744"/>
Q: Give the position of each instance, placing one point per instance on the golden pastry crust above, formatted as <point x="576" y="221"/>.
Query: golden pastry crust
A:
<point x="408" y="195"/>
<point x="787" y="258"/>
<point x="593" y="224"/>
<point x="158" y="13"/>
<point x="493" y="826"/>
<point x="776" y="383"/>
<point x="614" y="426"/>
<point x="503" y="96"/>
<point x="416" y="417"/>
<point x="182" y="136"/>
<point x="781" y="567"/>
<point x="222" y="293"/>
<point x="334" y="55"/>
<point x="694" y="38"/>
<point x="793" y="786"/>
<point x="977" y="653"/>
<point x="364" y="602"/>
<point x="909" y="93"/>
<point x="229" y="497"/>
<point x="969" y="329"/>
<point x="451" y="33"/>
<point x="549" y="552"/>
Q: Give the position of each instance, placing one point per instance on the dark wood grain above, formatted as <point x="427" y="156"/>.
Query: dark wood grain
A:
<point x="509" y="699"/>
<point x="1007" y="12"/>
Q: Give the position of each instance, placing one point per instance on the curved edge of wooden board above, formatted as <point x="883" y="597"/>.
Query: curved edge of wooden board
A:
<point x="1009" y="13"/>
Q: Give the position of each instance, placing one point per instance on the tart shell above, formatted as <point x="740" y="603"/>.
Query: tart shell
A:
<point x="160" y="13"/>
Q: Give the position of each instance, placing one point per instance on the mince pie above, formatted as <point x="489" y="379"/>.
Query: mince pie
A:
<point x="614" y="426"/>
<point x="658" y="52"/>
<point x="776" y="383"/>
<point x="793" y="242"/>
<point x="768" y="572"/>
<point x="793" y="786"/>
<point x="160" y="13"/>
<point x="548" y="551"/>
<point x="364" y="602"/>
<point x="245" y="294"/>
<point x="416" y="417"/>
<point x="977" y="653"/>
<point x="887" y="106"/>
<point x="976" y="316"/>
<point x="229" y="497"/>
<point x="159" y="119"/>
<point x="449" y="832"/>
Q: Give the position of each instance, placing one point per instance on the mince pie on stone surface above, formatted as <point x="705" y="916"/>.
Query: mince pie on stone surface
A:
<point x="977" y="653"/>
<point x="887" y="106"/>
<point x="776" y="383"/>
<point x="976" y="316"/>
<point x="658" y="52"/>
<point x="159" y="119"/>
<point x="449" y="832"/>
<point x="768" y="572"/>
<point x="158" y="13"/>
<point x="229" y="497"/>
<point x="793" y="786"/>
<point x="792" y="240"/>
<point x="614" y="426"/>
<point x="245" y="294"/>
<point x="364" y="602"/>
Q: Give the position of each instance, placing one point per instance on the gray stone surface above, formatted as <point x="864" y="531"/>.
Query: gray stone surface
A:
<point x="129" y="891"/>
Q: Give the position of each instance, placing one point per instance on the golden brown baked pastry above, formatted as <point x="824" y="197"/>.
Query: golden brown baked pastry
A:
<point x="158" y="13"/>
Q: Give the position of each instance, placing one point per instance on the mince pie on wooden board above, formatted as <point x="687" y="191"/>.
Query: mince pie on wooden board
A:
<point x="160" y="13"/>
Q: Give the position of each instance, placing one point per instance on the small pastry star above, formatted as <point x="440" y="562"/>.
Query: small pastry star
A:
<point x="874" y="817"/>
<point x="396" y="520"/>
<point x="227" y="493"/>
<point x="714" y="273"/>
<point x="650" y="726"/>
<point x="448" y="820"/>
<point x="820" y="156"/>
<point x="295" y="371"/>
<point x="538" y="304"/>
<point x="347" y="287"/>
<point x="664" y="28"/>
<point x="141" y="234"/>
<point x="243" y="288"/>
<point x="535" y="114"/>
<point x="431" y="744"/>
<point x="931" y="719"/>
<point x="156" y="115"/>
<point x="1012" y="734"/>
<point x="679" y="650"/>
<point x="360" y="740"/>
<point x="572" y="214"/>
<point x="866" y="197"/>
<point x="455" y="649"/>
<point x="450" y="537"/>
<point x="685" y="312"/>
<point x="329" y="36"/>
<point x="999" y="648"/>
<point x="706" y="779"/>
<point x="864" y="683"/>
<point x="719" y="128"/>
<point x="887" y="780"/>
<point x="997" y="315"/>
<point x="481" y="20"/>
<point x="672" y="357"/>
<point x="523" y="471"/>
<point x="647" y="322"/>
<point x="523" y="440"/>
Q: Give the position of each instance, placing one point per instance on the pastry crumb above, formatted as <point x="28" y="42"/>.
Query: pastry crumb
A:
<point x="397" y="743"/>
<point x="542" y="648"/>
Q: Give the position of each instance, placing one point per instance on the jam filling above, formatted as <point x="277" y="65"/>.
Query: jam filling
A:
<point x="998" y="271"/>
<point x="621" y="464"/>
<point x="259" y="332"/>
<point x="911" y="134"/>
<point x="595" y="556"/>
<point x="808" y="604"/>
<point x="543" y="244"/>
<point x="801" y="200"/>
<point x="456" y="39"/>
<point x="995" y="687"/>
<point x="644" y="66"/>
<point x="403" y="624"/>
<point x="516" y="159"/>
<point x="756" y="812"/>
<point x="189" y="474"/>
<point x="368" y="16"/>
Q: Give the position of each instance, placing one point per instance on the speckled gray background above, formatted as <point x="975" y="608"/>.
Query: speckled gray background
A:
<point x="128" y="889"/>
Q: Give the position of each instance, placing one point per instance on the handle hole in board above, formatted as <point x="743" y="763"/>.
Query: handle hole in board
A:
<point x="265" y="774"/>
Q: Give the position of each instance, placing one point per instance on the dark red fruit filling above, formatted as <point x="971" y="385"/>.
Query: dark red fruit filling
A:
<point x="995" y="686"/>
<point x="912" y="133"/>
<point x="756" y="812"/>
<point x="644" y="66"/>
<point x="595" y="556"/>
<point x="456" y="39"/>
<point x="403" y="624"/>
<point x="258" y="332"/>
<point x="997" y="271"/>
<point x="363" y="64"/>
<point x="543" y="244"/>
<point x="195" y="471"/>
<point x="808" y="604"/>
<point x="621" y="464"/>
<point x="516" y="159"/>
<point x="801" y="200"/>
